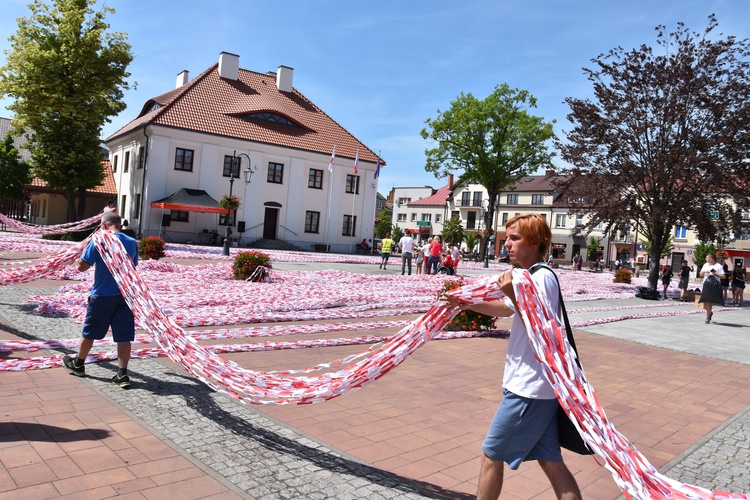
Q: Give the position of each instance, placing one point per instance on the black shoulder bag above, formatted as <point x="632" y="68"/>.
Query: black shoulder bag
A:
<point x="568" y="435"/>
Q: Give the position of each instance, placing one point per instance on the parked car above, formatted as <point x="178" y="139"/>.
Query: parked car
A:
<point x="504" y="257"/>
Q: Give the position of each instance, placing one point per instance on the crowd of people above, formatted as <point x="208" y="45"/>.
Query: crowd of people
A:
<point x="424" y="257"/>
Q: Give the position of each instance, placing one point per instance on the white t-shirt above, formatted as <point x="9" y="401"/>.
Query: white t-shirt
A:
<point x="406" y="244"/>
<point x="523" y="373"/>
<point x="707" y="267"/>
<point x="455" y="253"/>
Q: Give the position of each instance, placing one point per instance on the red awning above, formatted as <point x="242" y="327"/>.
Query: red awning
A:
<point x="190" y="200"/>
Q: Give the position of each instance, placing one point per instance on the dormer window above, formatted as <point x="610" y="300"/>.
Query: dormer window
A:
<point x="270" y="118"/>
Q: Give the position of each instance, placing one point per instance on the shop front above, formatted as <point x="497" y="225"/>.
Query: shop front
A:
<point x="558" y="250"/>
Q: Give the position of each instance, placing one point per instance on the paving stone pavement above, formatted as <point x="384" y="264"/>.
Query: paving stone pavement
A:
<point x="262" y="458"/>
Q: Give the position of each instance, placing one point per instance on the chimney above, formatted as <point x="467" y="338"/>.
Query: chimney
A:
<point x="284" y="78"/>
<point x="229" y="65"/>
<point x="550" y="172"/>
<point x="450" y="181"/>
<point x="182" y="78"/>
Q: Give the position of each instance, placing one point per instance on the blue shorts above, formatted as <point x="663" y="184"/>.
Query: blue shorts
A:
<point x="103" y="311"/>
<point x="523" y="429"/>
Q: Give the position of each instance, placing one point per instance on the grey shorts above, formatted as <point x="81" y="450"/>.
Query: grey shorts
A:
<point x="523" y="429"/>
<point x="103" y="312"/>
<point x="684" y="282"/>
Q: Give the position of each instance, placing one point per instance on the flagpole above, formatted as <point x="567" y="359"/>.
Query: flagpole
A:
<point x="330" y="193"/>
<point x="354" y="197"/>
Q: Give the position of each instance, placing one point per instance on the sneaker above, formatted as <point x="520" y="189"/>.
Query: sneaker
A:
<point x="76" y="369"/>
<point x="121" y="380"/>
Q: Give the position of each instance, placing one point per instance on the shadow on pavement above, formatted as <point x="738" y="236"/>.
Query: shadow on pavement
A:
<point x="199" y="397"/>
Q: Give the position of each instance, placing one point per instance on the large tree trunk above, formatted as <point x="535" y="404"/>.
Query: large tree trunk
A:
<point x="81" y="203"/>
<point x="71" y="212"/>
<point x="653" y="275"/>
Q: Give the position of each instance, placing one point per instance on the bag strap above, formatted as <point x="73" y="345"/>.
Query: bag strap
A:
<point x="568" y="329"/>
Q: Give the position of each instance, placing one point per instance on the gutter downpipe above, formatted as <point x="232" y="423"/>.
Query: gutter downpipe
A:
<point x="143" y="184"/>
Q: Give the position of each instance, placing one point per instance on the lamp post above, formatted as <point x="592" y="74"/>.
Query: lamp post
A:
<point x="485" y="234"/>
<point x="249" y="171"/>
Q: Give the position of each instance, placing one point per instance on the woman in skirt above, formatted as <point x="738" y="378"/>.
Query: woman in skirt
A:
<point x="711" y="294"/>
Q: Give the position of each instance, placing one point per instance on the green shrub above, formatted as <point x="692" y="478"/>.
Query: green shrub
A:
<point x="623" y="276"/>
<point x="466" y="320"/>
<point x="151" y="247"/>
<point x="245" y="264"/>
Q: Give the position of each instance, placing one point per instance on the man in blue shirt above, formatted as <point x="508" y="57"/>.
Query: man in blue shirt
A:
<point x="106" y="306"/>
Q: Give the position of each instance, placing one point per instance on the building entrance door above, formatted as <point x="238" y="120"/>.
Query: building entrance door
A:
<point x="270" y="221"/>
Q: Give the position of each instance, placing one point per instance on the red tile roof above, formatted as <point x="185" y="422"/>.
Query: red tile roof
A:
<point x="106" y="187"/>
<point x="210" y="104"/>
<point x="438" y="199"/>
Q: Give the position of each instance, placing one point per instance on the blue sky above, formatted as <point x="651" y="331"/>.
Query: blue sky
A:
<point x="381" y="68"/>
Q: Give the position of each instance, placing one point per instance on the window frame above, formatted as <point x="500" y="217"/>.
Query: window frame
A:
<point x="179" y="216"/>
<point x="310" y="225"/>
<point x="349" y="227"/>
<point x="476" y="199"/>
<point x="181" y="161"/>
<point x="275" y="173"/>
<point x="315" y="179"/>
<point x="231" y="167"/>
<point x="511" y="199"/>
<point x="349" y="188"/>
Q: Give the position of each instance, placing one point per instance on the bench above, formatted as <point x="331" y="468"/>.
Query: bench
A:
<point x="320" y="247"/>
<point x="360" y="249"/>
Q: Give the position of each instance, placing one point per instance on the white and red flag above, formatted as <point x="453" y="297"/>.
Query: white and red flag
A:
<point x="356" y="162"/>
<point x="333" y="158"/>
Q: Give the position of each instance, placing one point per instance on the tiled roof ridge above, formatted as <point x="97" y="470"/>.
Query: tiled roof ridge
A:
<point x="177" y="103"/>
<point x="303" y="96"/>
<point x="183" y="89"/>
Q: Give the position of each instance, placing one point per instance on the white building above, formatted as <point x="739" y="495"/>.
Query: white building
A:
<point x="214" y="127"/>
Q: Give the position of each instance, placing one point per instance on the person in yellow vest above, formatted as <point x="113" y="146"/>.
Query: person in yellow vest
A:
<point x="385" y="250"/>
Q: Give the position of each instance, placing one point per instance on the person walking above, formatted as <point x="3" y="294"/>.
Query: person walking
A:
<point x="739" y="277"/>
<point x="525" y="424"/>
<point x="576" y="262"/>
<point x="406" y="246"/>
<point x="666" y="278"/>
<point x="385" y="251"/>
<point x="685" y="272"/>
<point x="106" y="306"/>
<point x="436" y="251"/>
<point x="711" y="292"/>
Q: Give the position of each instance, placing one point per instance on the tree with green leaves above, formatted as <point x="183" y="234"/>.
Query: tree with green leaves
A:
<point x="66" y="75"/>
<point x="592" y="250"/>
<point x="382" y="224"/>
<point x="472" y="239"/>
<point x="700" y="251"/>
<point x="14" y="172"/>
<point x="396" y="233"/>
<point x="493" y="142"/>
<point x="453" y="231"/>
<point x="666" y="251"/>
<point x="665" y="139"/>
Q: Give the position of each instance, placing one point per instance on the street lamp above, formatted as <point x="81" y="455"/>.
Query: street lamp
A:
<point x="249" y="171"/>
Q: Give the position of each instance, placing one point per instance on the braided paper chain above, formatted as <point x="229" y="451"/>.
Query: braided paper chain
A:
<point x="67" y="227"/>
<point x="636" y="477"/>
